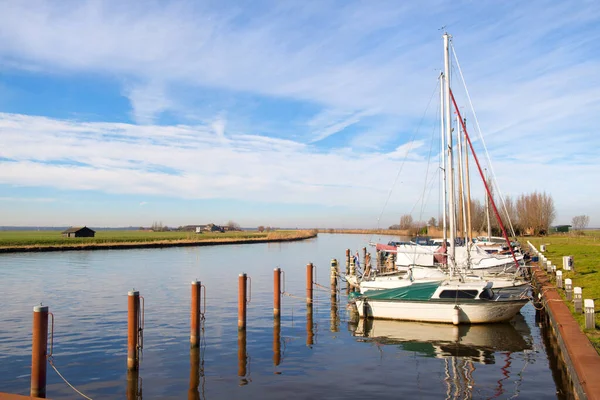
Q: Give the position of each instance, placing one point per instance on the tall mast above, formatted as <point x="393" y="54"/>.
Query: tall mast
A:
<point x="461" y="187"/>
<point x="468" y="178"/>
<point x="443" y="133"/>
<point x="449" y="167"/>
<point x="487" y="211"/>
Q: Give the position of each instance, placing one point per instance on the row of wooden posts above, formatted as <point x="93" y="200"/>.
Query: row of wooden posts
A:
<point x="135" y="322"/>
<point x="574" y="294"/>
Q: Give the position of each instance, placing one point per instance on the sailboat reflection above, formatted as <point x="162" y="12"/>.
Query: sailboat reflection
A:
<point x="461" y="347"/>
<point x="476" y="343"/>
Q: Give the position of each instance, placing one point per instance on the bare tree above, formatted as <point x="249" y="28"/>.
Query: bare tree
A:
<point x="233" y="226"/>
<point x="261" y="228"/>
<point x="406" y="221"/>
<point x="580" y="222"/>
<point x="432" y="222"/>
<point x="535" y="212"/>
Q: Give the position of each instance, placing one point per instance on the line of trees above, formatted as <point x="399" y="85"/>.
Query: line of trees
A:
<point x="531" y="214"/>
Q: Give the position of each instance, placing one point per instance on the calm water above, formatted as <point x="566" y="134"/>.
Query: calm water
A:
<point x="338" y="358"/>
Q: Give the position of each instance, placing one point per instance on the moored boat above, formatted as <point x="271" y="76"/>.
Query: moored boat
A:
<point x="442" y="302"/>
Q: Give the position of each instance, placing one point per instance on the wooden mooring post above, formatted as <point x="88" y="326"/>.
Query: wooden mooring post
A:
<point x="39" y="351"/>
<point x="590" y="314"/>
<point x="347" y="261"/>
<point x="242" y="301"/>
<point x="309" y="284"/>
<point x="333" y="274"/>
<point x="133" y="329"/>
<point x="559" y="279"/>
<point x="195" y="314"/>
<point x="277" y="292"/>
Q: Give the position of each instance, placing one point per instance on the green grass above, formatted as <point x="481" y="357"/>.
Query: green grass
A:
<point x="585" y="250"/>
<point x="50" y="238"/>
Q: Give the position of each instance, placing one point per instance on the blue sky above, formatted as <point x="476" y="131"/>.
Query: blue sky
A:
<point x="293" y="114"/>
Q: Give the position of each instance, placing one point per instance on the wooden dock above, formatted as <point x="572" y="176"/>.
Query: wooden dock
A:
<point x="9" y="396"/>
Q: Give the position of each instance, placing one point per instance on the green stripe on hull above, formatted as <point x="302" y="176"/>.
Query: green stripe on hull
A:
<point x="416" y="291"/>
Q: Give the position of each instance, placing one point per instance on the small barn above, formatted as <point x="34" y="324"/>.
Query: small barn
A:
<point x="79" y="232"/>
<point x="561" y="228"/>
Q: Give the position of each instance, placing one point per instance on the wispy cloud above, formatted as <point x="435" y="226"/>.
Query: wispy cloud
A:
<point x="27" y="199"/>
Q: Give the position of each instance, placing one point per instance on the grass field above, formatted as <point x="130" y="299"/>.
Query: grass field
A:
<point x="585" y="250"/>
<point x="21" y="239"/>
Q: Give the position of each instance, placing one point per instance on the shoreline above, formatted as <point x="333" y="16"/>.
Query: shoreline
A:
<point x="148" y="244"/>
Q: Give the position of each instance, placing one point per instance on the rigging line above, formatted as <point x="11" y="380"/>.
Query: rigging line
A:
<point x="483" y="140"/>
<point x="406" y="156"/>
<point x="422" y="196"/>
<point x="427" y="170"/>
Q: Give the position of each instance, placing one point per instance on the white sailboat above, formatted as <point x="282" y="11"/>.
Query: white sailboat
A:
<point x="452" y="299"/>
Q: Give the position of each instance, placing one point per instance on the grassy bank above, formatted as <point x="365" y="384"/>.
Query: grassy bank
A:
<point x="585" y="250"/>
<point x="53" y="240"/>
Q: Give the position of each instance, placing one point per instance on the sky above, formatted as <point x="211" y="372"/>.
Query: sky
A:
<point x="288" y="113"/>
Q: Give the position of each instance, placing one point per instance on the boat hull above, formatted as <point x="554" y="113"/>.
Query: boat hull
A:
<point x="441" y="311"/>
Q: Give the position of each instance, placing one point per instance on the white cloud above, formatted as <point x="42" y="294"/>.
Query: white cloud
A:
<point x="189" y="162"/>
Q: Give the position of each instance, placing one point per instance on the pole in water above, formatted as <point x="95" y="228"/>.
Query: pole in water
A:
<point x="309" y="284"/>
<point x="347" y="261"/>
<point x="39" y="351"/>
<point x="195" y="314"/>
<point x="333" y="276"/>
<point x="133" y="318"/>
<point x="277" y="292"/>
<point x="242" y="301"/>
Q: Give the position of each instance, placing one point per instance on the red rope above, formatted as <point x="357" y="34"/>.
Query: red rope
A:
<point x="487" y="189"/>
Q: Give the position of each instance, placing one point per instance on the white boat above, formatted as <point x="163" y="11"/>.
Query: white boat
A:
<point x="443" y="302"/>
<point x="505" y="283"/>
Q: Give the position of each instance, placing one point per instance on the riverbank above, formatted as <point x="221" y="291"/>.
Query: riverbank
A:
<point x="22" y="242"/>
<point x="585" y="250"/>
<point x="577" y="353"/>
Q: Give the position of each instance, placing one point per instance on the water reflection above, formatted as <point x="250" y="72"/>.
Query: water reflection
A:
<point x="310" y="333"/>
<point x="461" y="347"/>
<point x="477" y="343"/>
<point x="334" y="318"/>
<point x="276" y="341"/>
<point x="134" y="385"/>
<point x="197" y="378"/>
<point x="242" y="358"/>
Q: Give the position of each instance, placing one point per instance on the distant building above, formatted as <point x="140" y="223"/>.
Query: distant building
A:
<point x="79" y="232"/>
<point x="561" y="228"/>
<point x="214" y="228"/>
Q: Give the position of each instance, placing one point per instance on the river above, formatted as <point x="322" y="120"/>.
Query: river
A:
<point x="324" y="355"/>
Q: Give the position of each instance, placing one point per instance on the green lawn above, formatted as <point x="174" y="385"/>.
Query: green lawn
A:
<point x="33" y="238"/>
<point x="586" y="260"/>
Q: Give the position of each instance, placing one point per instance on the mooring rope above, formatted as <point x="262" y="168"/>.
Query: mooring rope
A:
<point x="51" y="362"/>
